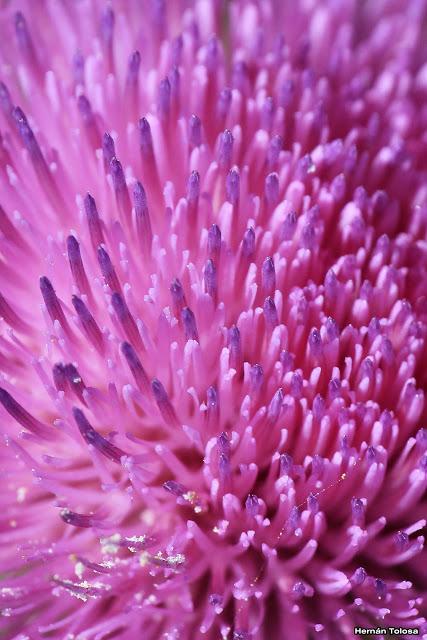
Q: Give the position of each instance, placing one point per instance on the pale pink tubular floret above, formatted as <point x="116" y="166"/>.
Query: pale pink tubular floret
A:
<point x="213" y="285"/>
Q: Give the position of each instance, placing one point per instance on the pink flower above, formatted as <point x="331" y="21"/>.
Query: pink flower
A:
<point x="213" y="267"/>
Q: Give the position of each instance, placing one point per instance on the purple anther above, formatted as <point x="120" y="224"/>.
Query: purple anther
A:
<point x="22" y="416"/>
<point x="126" y="319"/>
<point x="331" y="284"/>
<point x="6" y="104"/>
<point x="296" y="385"/>
<point x="223" y="103"/>
<point x="76" y="264"/>
<point x="79" y="68"/>
<point x="252" y="505"/>
<point x="108" y="151"/>
<point x="304" y="167"/>
<point x="164" y="404"/>
<point x="74" y="380"/>
<point x="214" y="242"/>
<point x="374" y="329"/>
<point x="294" y="518"/>
<point x="193" y="187"/>
<point x="189" y="324"/>
<point x="212" y="404"/>
<point x="232" y="186"/>
<point x="366" y="290"/>
<point x="286" y="464"/>
<point x="133" y="66"/>
<point x="371" y="454"/>
<point x="287" y="360"/>
<point x="118" y="175"/>
<point x="107" y="25"/>
<point x="308" y="236"/>
<point x="289" y="226"/>
<point x="178" y="297"/>
<point x="89" y="325"/>
<point x="225" y="149"/>
<point x="59" y="377"/>
<point x="359" y="576"/>
<point x="93" y="438"/>
<point x="23" y="34"/>
<point x="194" y="131"/>
<point x="317" y="465"/>
<point x="107" y="269"/>
<point x="210" y="277"/>
<point x="332" y="329"/>
<point x="275" y="406"/>
<point x="78" y="519"/>
<point x="271" y="189"/>
<point x="379" y="203"/>
<point x="274" y="148"/>
<point x="52" y="303"/>
<point x="174" y="81"/>
<point x="215" y="600"/>
<point x="176" y="50"/>
<point x="248" y="243"/>
<point x="318" y="407"/>
<point x="267" y="113"/>
<point x="386" y="419"/>
<point x="315" y="342"/>
<point x="223" y="443"/>
<point x="268" y="276"/>
<point x="235" y="346"/>
<point x="401" y="540"/>
<point x="421" y="438"/>
<point x="135" y="366"/>
<point x="334" y="388"/>
<point x="27" y="136"/>
<point x="380" y="588"/>
<point x="176" y="488"/>
<point x="142" y="215"/>
<point x="299" y="589"/>
<point x="256" y="377"/>
<point x="224" y="467"/>
<point x="423" y="463"/>
<point x="94" y="222"/>
<point x="387" y="351"/>
<point x="145" y="139"/>
<point x="270" y="313"/>
<point x="120" y="187"/>
<point x="19" y="116"/>
<point x="85" y="110"/>
<point x="358" y="512"/>
<point x="164" y="99"/>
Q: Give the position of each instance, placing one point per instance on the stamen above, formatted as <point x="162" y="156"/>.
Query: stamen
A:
<point x="94" y="222"/>
<point x="93" y="438"/>
<point x="108" y="151"/>
<point x="88" y="324"/>
<point x="24" y="418"/>
<point x="189" y="323"/>
<point x="52" y="303"/>
<point x="108" y="270"/>
<point x="76" y="265"/>
<point x="135" y="366"/>
<point x="126" y="319"/>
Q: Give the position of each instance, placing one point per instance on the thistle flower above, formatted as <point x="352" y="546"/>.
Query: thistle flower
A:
<point x="213" y="318"/>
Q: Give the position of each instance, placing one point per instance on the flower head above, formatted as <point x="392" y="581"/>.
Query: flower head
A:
<point x="213" y="318"/>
